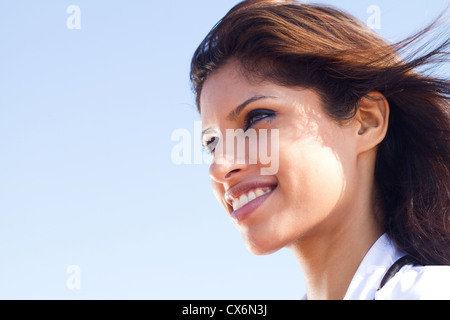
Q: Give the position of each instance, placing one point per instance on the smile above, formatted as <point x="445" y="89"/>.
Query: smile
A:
<point x="249" y="196"/>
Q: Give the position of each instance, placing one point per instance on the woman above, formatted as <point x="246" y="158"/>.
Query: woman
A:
<point x="361" y="189"/>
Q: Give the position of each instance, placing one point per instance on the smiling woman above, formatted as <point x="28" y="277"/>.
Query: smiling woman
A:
<point x="362" y="177"/>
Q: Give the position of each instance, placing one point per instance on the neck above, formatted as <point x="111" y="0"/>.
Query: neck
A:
<point x="331" y="254"/>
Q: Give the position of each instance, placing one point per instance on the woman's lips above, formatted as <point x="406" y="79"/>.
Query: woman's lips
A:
<point x="245" y="188"/>
<point x="245" y="197"/>
<point x="245" y="211"/>
<point x="249" y="196"/>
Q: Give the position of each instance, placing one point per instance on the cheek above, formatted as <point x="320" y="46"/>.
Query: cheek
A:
<point x="313" y="176"/>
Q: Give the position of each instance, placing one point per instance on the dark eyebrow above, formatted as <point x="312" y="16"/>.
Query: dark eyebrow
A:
<point x="232" y="116"/>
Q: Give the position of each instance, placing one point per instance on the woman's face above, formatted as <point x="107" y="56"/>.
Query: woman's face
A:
<point x="310" y="179"/>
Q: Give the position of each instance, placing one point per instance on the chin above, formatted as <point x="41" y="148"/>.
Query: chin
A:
<point x="261" y="246"/>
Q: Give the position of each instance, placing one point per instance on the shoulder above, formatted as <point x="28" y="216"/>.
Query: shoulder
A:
<point x="418" y="283"/>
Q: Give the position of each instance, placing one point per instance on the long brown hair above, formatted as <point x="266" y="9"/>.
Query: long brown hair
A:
<point x="320" y="47"/>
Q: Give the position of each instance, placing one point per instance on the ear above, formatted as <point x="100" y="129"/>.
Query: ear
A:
<point x="372" y="119"/>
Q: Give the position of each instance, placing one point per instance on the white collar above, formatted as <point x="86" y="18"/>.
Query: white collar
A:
<point x="380" y="257"/>
<point x="377" y="261"/>
<point x="410" y="283"/>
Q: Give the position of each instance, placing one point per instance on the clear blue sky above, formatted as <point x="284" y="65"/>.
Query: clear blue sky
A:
<point x="87" y="179"/>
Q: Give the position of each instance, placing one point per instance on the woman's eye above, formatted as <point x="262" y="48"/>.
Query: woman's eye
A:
<point x="257" y="115"/>
<point x="210" y="145"/>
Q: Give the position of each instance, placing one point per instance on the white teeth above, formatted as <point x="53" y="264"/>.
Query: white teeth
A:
<point x="259" y="192"/>
<point x="250" y="196"/>
<point x="243" y="200"/>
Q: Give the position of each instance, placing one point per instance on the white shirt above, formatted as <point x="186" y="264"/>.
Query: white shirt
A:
<point x="410" y="282"/>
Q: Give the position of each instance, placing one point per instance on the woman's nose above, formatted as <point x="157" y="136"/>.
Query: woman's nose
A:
<point x="226" y="164"/>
